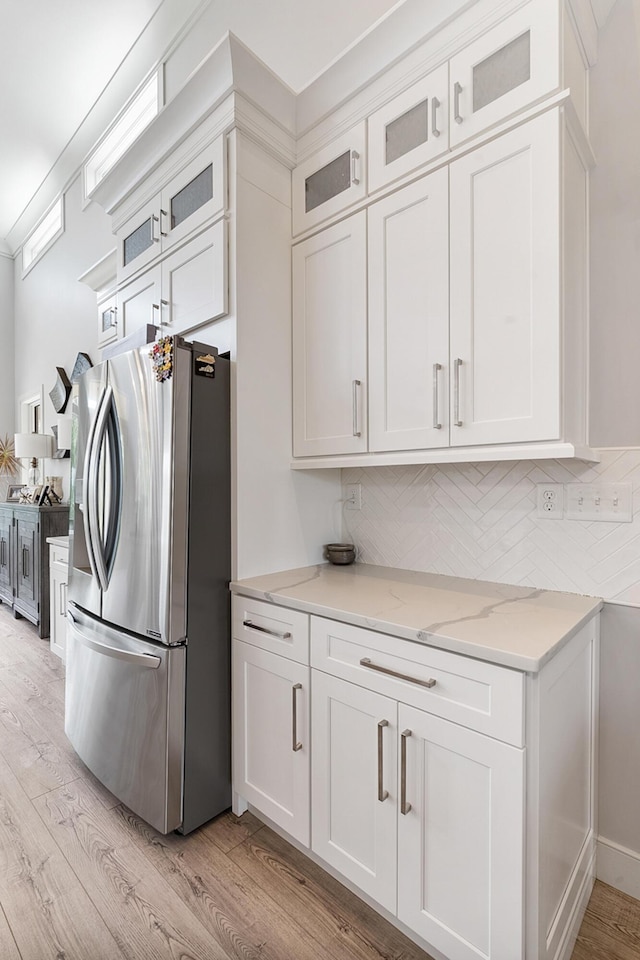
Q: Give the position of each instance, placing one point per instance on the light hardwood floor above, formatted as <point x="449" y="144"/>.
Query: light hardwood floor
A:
<point x="82" y="878"/>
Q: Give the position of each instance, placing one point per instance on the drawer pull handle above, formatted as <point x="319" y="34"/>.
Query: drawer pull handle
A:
<point x="355" y="172"/>
<point x="295" y="744"/>
<point x="272" y="633"/>
<point x="382" y="793"/>
<point x="404" y="806"/>
<point x="435" y="103"/>
<point x="366" y="662"/>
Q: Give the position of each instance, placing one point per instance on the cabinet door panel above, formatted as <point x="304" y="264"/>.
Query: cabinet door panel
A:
<point x="195" y="195"/>
<point x="461" y="843"/>
<point x="270" y="706"/>
<point x="139" y="240"/>
<point x="508" y="67"/>
<point x="330" y="341"/>
<point x="505" y="308"/>
<point x="138" y="304"/>
<point x="27" y="564"/>
<point x="410" y="130"/>
<point x="6" y="565"/>
<point x="409" y="317"/>
<point x="58" y="608"/>
<point x="353" y="828"/>
<point x="194" y="281"/>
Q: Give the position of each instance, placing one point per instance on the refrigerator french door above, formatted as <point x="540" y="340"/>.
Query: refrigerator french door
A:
<point x="148" y="663"/>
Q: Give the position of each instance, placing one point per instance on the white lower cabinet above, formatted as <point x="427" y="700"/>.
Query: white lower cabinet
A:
<point x="271" y="736"/>
<point x="460" y="838"/>
<point x="456" y="793"/>
<point x="354" y="788"/>
<point x="424" y="816"/>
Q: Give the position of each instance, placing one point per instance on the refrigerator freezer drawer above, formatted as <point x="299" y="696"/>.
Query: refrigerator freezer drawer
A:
<point x="125" y="717"/>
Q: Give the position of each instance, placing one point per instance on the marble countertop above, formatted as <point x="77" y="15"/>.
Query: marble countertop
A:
<point x="517" y="627"/>
<point x="59" y="541"/>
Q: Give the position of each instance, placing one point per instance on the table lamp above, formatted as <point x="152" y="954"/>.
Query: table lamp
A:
<point x="33" y="447"/>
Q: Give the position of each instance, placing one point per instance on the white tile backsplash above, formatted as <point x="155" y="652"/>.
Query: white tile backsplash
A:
<point x="480" y="521"/>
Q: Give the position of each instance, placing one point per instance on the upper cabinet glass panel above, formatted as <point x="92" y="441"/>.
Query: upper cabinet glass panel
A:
<point x="196" y="193"/>
<point x="328" y="182"/>
<point x="135" y="244"/>
<point x="510" y="66"/>
<point x="407" y="132"/>
<point x="504" y="70"/>
<point x="410" y="130"/>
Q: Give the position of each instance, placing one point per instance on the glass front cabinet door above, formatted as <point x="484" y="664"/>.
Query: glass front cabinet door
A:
<point x="504" y="70"/>
<point x="410" y="130"/>
<point x="330" y="181"/>
<point x="194" y="196"/>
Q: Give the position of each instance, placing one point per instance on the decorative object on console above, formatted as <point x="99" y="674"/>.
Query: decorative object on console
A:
<point x="340" y="553"/>
<point x="82" y="364"/>
<point x="54" y="491"/>
<point x="8" y="465"/>
<point x="13" y="492"/>
<point x="62" y="436"/>
<point x="31" y="493"/>
<point x="61" y="391"/>
<point x="33" y="447"/>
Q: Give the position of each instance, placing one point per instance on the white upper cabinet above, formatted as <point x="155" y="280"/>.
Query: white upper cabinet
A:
<point x="409" y="317"/>
<point x="505" y="288"/>
<point x="410" y="130"/>
<point x="504" y="70"/>
<point x="331" y="180"/>
<point x="192" y="197"/>
<point x="330" y="340"/>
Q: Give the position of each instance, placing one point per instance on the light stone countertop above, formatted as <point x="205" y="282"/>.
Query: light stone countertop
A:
<point x="517" y="627"/>
<point x="59" y="541"/>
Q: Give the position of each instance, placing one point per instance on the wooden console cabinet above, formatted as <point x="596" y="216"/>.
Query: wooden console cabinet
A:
<point x="24" y="558"/>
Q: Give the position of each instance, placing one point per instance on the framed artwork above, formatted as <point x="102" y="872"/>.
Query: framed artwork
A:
<point x="13" y="492"/>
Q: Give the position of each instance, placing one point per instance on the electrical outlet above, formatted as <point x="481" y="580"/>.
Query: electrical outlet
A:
<point x="353" y="496"/>
<point x="550" y="500"/>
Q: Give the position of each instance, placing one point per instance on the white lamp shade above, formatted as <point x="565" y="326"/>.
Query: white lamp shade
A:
<point x="30" y="445"/>
<point x="64" y="432"/>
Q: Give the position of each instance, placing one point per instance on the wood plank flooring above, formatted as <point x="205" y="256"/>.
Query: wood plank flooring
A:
<point x="82" y="878"/>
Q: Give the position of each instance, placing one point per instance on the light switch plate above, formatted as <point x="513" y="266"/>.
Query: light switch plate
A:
<point x="612" y="502"/>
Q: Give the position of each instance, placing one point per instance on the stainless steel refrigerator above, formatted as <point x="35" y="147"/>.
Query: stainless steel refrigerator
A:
<point x="148" y="675"/>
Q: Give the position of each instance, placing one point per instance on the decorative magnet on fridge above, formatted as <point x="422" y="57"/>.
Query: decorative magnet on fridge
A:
<point x="161" y="355"/>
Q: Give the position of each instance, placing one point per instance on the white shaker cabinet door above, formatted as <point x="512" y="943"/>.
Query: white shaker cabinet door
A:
<point x="271" y="736"/>
<point x="330" y="341"/>
<point x="354" y="788"/>
<point x="505" y="288"/>
<point x="409" y="317"/>
<point x="460" y="838"/>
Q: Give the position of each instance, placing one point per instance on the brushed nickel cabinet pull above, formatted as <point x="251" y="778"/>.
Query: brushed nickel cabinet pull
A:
<point x="456" y="394"/>
<point x="356" y="432"/>
<point x="404" y="806"/>
<point x="271" y="633"/>
<point x="382" y="793"/>
<point x="366" y="662"/>
<point x="457" y="90"/>
<point x="163" y="213"/>
<point x="436" y="418"/>
<point x="355" y="156"/>
<point x="435" y="103"/>
<point x="295" y="744"/>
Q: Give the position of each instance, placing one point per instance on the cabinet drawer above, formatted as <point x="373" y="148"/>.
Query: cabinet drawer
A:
<point x="478" y="695"/>
<point x="59" y="555"/>
<point x="262" y="624"/>
<point x="330" y="181"/>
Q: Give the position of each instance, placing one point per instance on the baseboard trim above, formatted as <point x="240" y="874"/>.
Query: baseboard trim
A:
<point x="619" y="867"/>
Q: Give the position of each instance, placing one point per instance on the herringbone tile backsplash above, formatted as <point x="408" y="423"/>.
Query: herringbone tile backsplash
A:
<point x="479" y="520"/>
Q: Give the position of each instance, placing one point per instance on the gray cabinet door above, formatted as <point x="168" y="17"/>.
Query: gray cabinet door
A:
<point x="27" y="566"/>
<point x="6" y="565"/>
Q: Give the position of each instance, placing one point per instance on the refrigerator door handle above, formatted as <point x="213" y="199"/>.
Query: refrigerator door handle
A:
<point x="112" y="525"/>
<point x="90" y="494"/>
<point x="95" y="448"/>
<point x="142" y="659"/>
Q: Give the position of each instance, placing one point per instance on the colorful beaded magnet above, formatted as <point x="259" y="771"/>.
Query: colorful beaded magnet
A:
<point x="161" y="354"/>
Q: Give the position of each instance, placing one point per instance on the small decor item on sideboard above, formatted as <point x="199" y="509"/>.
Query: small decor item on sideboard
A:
<point x="340" y="553"/>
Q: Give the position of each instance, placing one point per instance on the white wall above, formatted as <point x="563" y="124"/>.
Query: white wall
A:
<point x="615" y="231"/>
<point x="55" y="315"/>
<point x="6" y="340"/>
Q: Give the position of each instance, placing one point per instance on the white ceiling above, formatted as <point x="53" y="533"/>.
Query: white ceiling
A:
<point x="57" y="58"/>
